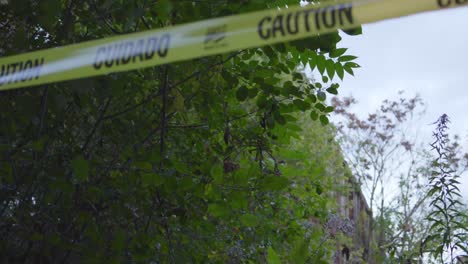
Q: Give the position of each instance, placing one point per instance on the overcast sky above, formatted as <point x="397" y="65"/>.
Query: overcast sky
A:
<point x="425" y="54"/>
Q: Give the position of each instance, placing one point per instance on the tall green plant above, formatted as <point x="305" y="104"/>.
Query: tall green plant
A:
<point x="447" y="232"/>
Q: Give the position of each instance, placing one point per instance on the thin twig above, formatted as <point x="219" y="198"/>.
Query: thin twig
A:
<point x="165" y="91"/>
<point x="96" y="125"/>
<point x="43" y="111"/>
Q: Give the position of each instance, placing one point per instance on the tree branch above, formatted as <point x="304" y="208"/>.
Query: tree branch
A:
<point x="157" y="93"/>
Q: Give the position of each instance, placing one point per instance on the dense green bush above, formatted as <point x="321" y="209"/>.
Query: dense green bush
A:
<point x="199" y="161"/>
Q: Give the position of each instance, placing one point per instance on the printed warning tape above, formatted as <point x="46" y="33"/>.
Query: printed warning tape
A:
<point x="208" y="37"/>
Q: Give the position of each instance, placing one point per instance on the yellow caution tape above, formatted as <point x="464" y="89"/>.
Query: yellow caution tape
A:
<point x="208" y="37"/>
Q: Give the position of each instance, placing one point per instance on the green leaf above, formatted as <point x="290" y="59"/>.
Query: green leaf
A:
<point x="80" y="168"/>
<point x="163" y="9"/>
<point x="313" y="98"/>
<point x="218" y="209"/>
<point x="242" y="93"/>
<point x="301" y="105"/>
<point x="352" y="65"/>
<point x="330" y="65"/>
<point x="263" y="73"/>
<point x="217" y="173"/>
<point x="297" y="76"/>
<point x="324" y="79"/>
<point x="312" y="57"/>
<point x="348" y="70"/>
<point x="324" y="120"/>
<point x="284" y="68"/>
<point x="320" y="107"/>
<point x="249" y="220"/>
<point x="279" y="118"/>
<point x="314" y="115"/>
<point x="353" y="31"/>
<point x="239" y="199"/>
<point x="318" y="189"/>
<point x="347" y="58"/>
<point x="262" y="101"/>
<point x="321" y="61"/>
<point x="273" y="183"/>
<point x="321" y="96"/>
<point x="337" y="52"/>
<point x="227" y="76"/>
<point x="272" y="257"/>
<point x="280" y="47"/>
<point x="293" y="154"/>
<point x="329" y="109"/>
<point x="253" y="92"/>
<point x="300" y="252"/>
<point x="462" y="246"/>
<point x="339" y="70"/>
<point x="332" y="90"/>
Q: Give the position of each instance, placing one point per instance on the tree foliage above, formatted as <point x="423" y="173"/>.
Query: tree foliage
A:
<point x="196" y="161"/>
